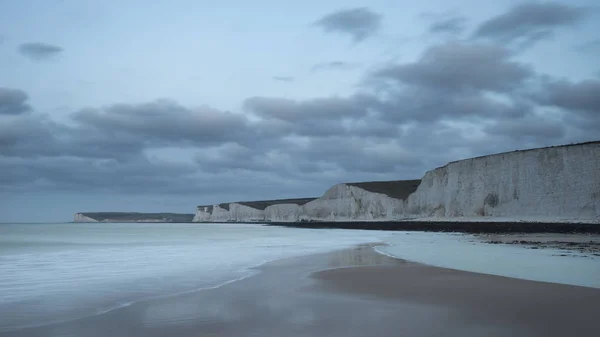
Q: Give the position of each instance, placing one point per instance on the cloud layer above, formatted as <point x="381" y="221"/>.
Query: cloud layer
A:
<point x="449" y="25"/>
<point x="459" y="98"/>
<point x="38" y="51"/>
<point x="360" y="23"/>
<point x="528" y="23"/>
<point x="13" y="101"/>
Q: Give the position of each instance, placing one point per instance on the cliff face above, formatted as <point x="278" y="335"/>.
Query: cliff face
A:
<point x="558" y="183"/>
<point x="343" y="202"/>
<point x="79" y="217"/>
<point x="131" y="217"/>
<point x="250" y="211"/>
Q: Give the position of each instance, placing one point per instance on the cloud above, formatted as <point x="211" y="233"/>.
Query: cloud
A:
<point x="316" y="117"/>
<point x="528" y="23"/>
<point x="122" y="131"/>
<point x="13" y="101"/>
<point x="295" y="111"/>
<point x="333" y="65"/>
<point x="164" y="122"/>
<point x="360" y="23"/>
<point x="582" y="97"/>
<point x="73" y="173"/>
<point x="449" y="25"/>
<point x="457" y="100"/>
<point x="456" y="66"/>
<point x="530" y="127"/>
<point x="283" y="78"/>
<point x="592" y="46"/>
<point x="38" y="51"/>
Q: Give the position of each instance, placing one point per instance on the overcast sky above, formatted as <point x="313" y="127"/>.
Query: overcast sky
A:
<point x="131" y="106"/>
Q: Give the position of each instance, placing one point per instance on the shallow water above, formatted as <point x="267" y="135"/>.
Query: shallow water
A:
<point x="468" y="252"/>
<point x="59" y="272"/>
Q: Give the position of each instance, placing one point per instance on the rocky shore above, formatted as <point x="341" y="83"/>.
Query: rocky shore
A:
<point x="474" y="227"/>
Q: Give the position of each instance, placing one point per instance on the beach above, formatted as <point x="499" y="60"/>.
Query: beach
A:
<point x="352" y="292"/>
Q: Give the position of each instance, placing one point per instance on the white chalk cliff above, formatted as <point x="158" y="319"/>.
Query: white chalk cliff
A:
<point x="79" y="217"/>
<point x="555" y="183"/>
<point x="131" y="217"/>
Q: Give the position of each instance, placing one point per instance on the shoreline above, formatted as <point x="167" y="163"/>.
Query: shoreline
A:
<point x="347" y="293"/>
<point x="527" y="308"/>
<point x="471" y="227"/>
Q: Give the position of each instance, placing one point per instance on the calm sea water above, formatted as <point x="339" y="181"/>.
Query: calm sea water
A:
<point x="60" y="272"/>
<point x="467" y="252"/>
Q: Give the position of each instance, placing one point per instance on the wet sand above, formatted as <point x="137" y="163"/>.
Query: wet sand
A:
<point x="376" y="296"/>
<point x="525" y="308"/>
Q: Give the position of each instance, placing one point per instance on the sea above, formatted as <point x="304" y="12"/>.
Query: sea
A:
<point x="58" y="272"/>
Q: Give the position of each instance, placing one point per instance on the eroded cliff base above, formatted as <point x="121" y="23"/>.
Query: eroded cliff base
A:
<point x="474" y="227"/>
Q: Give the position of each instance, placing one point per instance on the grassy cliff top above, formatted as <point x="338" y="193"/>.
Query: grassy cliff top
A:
<point x="399" y="189"/>
<point x="266" y="203"/>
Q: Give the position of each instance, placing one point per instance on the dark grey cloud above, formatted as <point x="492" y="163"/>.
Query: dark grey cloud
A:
<point x="333" y="65"/>
<point x="33" y="136"/>
<point x="232" y="157"/>
<point x="426" y="106"/>
<point x="13" y="101"/>
<point x="73" y="173"/>
<point x="26" y="136"/>
<point x="528" y="23"/>
<point x="284" y="78"/>
<point x="39" y="51"/>
<point x="375" y="156"/>
<point x="122" y="131"/>
<point x="477" y="89"/>
<point x="592" y="46"/>
<point x="581" y="97"/>
<point x="318" y="117"/>
<point x="449" y="25"/>
<point x="293" y="111"/>
<point x="316" y="156"/>
<point x="529" y="127"/>
<point x="455" y="66"/>
<point x="165" y="122"/>
<point x="360" y="23"/>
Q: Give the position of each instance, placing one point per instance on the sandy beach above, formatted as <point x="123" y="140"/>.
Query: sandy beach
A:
<point x="354" y="292"/>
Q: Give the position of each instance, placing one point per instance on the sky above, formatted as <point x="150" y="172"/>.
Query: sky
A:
<point x="165" y="105"/>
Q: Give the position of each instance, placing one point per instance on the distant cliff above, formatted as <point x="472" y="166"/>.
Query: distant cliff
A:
<point x="132" y="217"/>
<point x="342" y="202"/>
<point x="249" y="211"/>
<point x="547" y="184"/>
